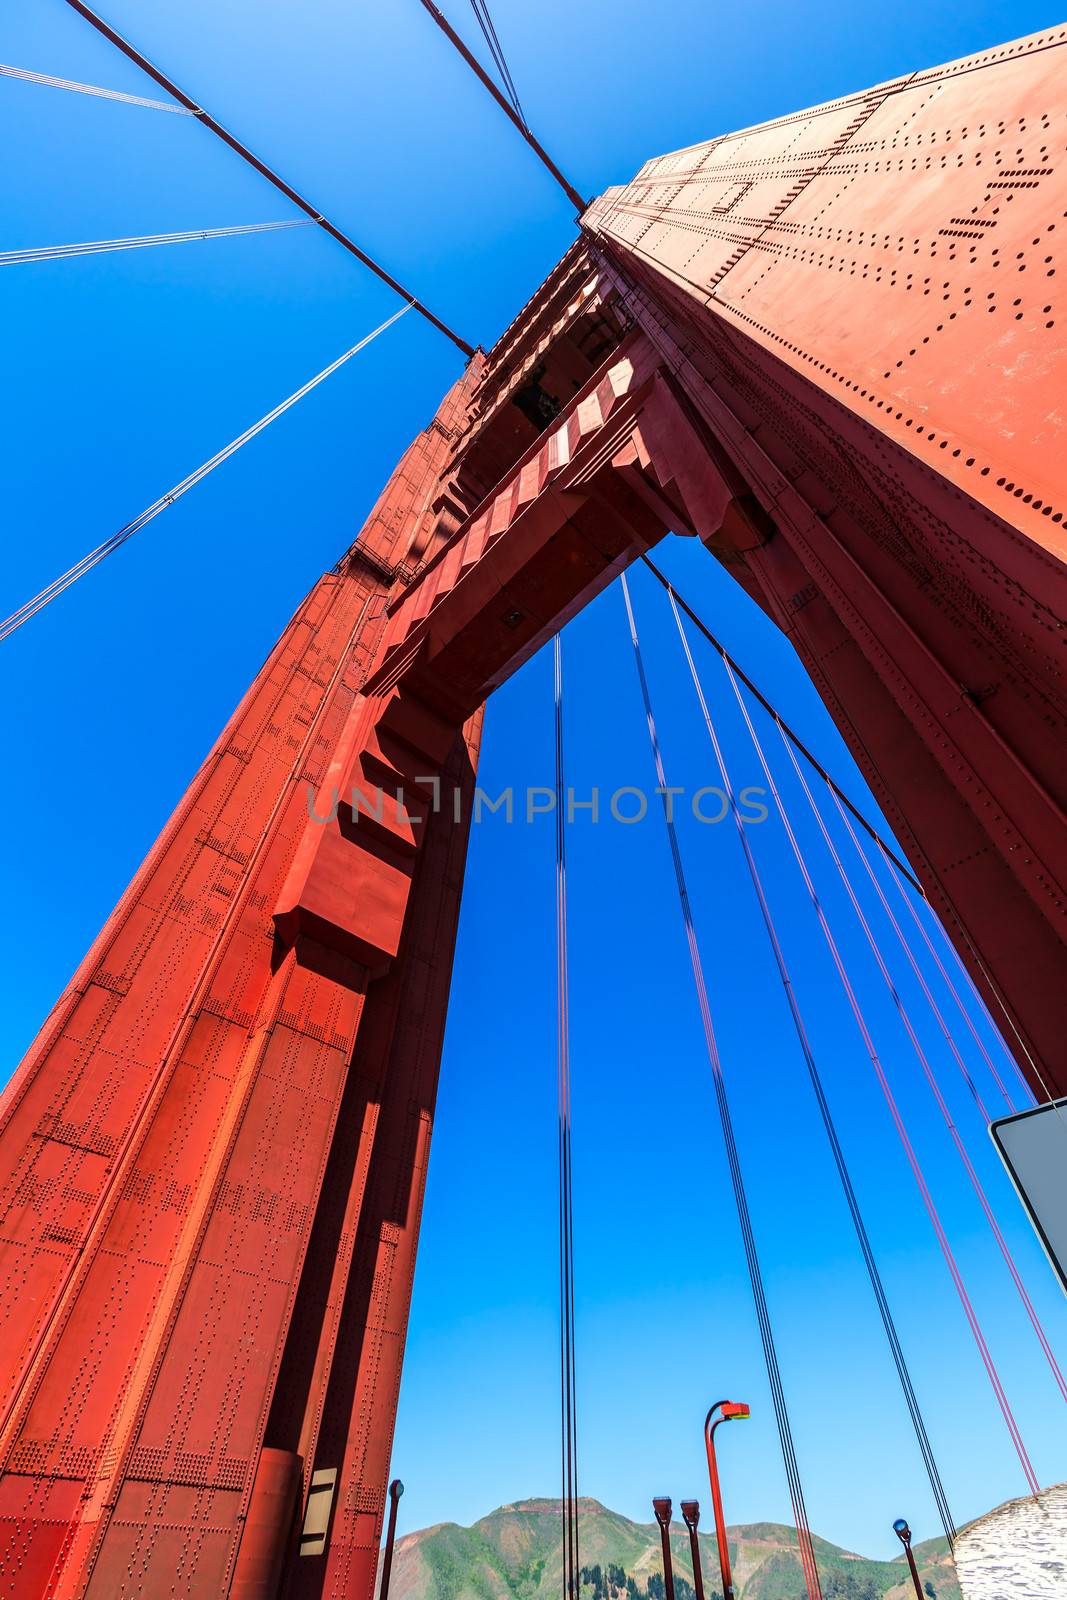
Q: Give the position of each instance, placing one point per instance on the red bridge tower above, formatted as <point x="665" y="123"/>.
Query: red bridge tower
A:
<point x="831" y="348"/>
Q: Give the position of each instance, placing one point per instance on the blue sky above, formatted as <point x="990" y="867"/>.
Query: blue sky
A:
<point x="123" y="373"/>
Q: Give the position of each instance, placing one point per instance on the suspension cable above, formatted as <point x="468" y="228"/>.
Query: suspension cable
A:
<point x="921" y="1056"/>
<point x="917" y="970"/>
<point x="94" y="557"/>
<point x="496" y="50"/>
<point x="954" y="992"/>
<point x="96" y="247"/>
<point x="91" y="88"/>
<point x="568" y="1371"/>
<point x="897" y="869"/>
<point x="243" y="151"/>
<point x="994" y="990"/>
<point x="883" y="1082"/>
<point x="784" y="726"/>
<point x="785" y="1433"/>
<point x="866" y="1249"/>
<point x="513" y="116"/>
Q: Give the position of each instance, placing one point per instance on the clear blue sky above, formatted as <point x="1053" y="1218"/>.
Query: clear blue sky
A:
<point x="123" y="373"/>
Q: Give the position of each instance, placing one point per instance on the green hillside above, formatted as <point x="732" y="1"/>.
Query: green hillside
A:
<point x="515" y="1554"/>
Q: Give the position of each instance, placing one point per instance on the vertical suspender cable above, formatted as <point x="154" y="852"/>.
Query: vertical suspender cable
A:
<point x="513" y="116"/>
<point x="143" y="241"/>
<point x="790" y="733"/>
<point x="900" y="872"/>
<point x="920" y="976"/>
<point x="30" y="608"/>
<point x="920" y="1053"/>
<point x="883" y="1082"/>
<point x="209" y="122"/>
<point x="1031" y="1099"/>
<point x="1009" y="1019"/>
<point x="1050" y="1096"/>
<point x="964" y="1012"/>
<point x="496" y="50"/>
<point x="568" y="1371"/>
<point x="878" y="1288"/>
<point x="49" y="82"/>
<point x="785" y="1433"/>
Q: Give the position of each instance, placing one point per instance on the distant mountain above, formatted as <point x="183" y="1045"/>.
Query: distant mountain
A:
<point x="515" y="1554"/>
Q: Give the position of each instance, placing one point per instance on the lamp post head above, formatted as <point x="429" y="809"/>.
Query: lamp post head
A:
<point x="661" y="1505"/>
<point x="396" y="1489"/>
<point x="691" y="1513"/>
<point x="727" y="1411"/>
<point x="735" y="1411"/>
<point x="902" y="1531"/>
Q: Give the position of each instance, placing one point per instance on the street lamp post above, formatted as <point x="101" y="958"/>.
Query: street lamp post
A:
<point x="903" y="1533"/>
<point x="396" y="1489"/>
<point x="691" y="1513"/>
<point x="661" y="1505"/>
<point x="728" y="1411"/>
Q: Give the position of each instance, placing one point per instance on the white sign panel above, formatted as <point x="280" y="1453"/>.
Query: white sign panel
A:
<point x="1033" y="1147"/>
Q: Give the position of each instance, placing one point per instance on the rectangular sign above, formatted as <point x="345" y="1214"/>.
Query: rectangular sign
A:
<point x="1033" y="1147"/>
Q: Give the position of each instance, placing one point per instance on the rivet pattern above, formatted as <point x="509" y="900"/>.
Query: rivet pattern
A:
<point x="886" y="239"/>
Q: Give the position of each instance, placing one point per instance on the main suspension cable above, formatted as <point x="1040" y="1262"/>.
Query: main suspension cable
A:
<point x="94" y="557"/>
<point x="784" y="726"/>
<point x="513" y="116"/>
<point x="568" y="1370"/>
<point x="878" y="1288"/>
<point x="770" y="1354"/>
<point x="261" y="167"/>
<point x="97" y="247"/>
<point x="887" y="1093"/>
<point x="91" y="88"/>
<point x="923" y="1060"/>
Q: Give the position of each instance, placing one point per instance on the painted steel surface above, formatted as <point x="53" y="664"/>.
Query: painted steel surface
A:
<point x="903" y="248"/>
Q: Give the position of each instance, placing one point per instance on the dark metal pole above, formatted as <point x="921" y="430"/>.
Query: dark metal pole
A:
<point x="396" y="1489"/>
<point x="716" y="1501"/>
<point x="903" y="1533"/>
<point x="662" y="1508"/>
<point x="691" y="1513"/>
<point x="280" y="184"/>
<point x="505" y="105"/>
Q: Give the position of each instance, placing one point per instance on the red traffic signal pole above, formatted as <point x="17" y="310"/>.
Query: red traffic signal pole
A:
<point x="729" y="1411"/>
